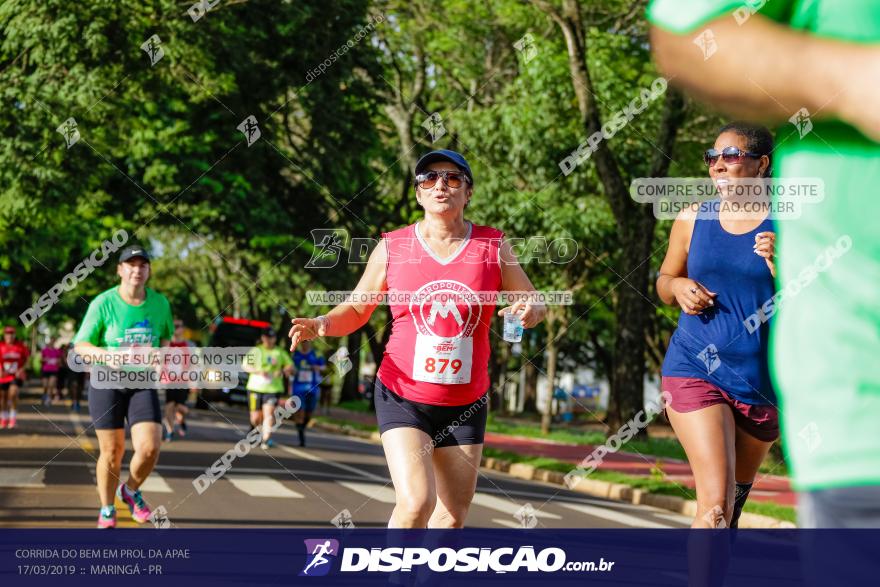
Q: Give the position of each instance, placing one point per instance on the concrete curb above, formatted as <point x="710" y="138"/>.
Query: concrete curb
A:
<point x="592" y="487"/>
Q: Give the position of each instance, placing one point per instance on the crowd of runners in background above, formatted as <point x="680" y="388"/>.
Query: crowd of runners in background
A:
<point x="47" y="364"/>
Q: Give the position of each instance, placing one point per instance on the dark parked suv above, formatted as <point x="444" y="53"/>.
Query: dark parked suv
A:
<point x="232" y="332"/>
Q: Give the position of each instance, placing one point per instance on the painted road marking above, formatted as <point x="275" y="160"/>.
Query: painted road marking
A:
<point x="324" y="460"/>
<point x="508" y="506"/>
<point x="613" y="516"/>
<point x="22" y="477"/>
<point x="385" y="494"/>
<point x="156" y="484"/>
<point x="262" y="486"/>
<point x="507" y="523"/>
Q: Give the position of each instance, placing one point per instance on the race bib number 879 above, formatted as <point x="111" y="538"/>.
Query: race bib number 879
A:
<point x="443" y="360"/>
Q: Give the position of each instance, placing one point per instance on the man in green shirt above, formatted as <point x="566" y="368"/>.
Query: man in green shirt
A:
<point x="815" y="64"/>
<point x="111" y="322"/>
<point x="126" y="316"/>
<point x="267" y="364"/>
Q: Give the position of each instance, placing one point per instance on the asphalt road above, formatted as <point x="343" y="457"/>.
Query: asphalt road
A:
<point x="47" y="475"/>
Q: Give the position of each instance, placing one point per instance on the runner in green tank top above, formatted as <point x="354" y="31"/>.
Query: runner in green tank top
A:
<point x="266" y="382"/>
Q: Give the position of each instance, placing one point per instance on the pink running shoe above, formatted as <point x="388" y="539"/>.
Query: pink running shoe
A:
<point x="140" y="511"/>
<point x="2" y="422"/>
<point x="11" y="423"/>
<point x="106" y="522"/>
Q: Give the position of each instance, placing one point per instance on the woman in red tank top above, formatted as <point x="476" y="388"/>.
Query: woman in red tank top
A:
<point x="431" y="387"/>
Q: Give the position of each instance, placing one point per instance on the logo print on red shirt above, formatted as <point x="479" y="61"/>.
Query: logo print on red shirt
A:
<point x="445" y="308"/>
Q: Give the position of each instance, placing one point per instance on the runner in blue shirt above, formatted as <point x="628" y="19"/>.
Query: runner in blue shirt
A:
<point x="305" y="384"/>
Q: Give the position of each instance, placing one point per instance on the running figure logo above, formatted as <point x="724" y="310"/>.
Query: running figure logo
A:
<point x="526" y="516"/>
<point x="710" y="358"/>
<point x="152" y="47"/>
<point x="810" y="434"/>
<point x="707" y="43"/>
<point x="341" y="360"/>
<point x="69" y="131"/>
<point x="250" y="129"/>
<point x="317" y="553"/>
<point x="526" y="47"/>
<point x="343" y="520"/>
<point x="801" y="121"/>
<point x="434" y="125"/>
<point x="328" y="247"/>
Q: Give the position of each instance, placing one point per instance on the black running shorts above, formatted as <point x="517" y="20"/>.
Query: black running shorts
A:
<point x="110" y="408"/>
<point x="446" y="425"/>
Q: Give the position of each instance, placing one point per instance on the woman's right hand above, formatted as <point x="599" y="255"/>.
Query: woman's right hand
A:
<point x="692" y="296"/>
<point x="306" y="329"/>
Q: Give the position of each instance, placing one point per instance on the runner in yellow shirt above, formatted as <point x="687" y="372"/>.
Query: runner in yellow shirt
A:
<point x="267" y="364"/>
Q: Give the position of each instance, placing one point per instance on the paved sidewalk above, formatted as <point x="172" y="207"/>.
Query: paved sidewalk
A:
<point x="768" y="488"/>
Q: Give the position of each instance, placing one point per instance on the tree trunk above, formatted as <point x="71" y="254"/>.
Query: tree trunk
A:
<point x="632" y="315"/>
<point x="379" y="342"/>
<point x="552" y="355"/>
<point x="350" y="384"/>
<point x="531" y="388"/>
<point x="635" y="221"/>
<point x="498" y="375"/>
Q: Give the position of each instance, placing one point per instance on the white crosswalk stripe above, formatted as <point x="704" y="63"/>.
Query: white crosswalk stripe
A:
<point x="306" y="455"/>
<point x="613" y="516"/>
<point x="262" y="486"/>
<point x="156" y="484"/>
<point x="22" y="477"/>
<point x="508" y="506"/>
<point x="372" y="490"/>
<point x="507" y="523"/>
<point x="673" y="518"/>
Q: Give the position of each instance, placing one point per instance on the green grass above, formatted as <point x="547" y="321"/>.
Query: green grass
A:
<point x="355" y="405"/>
<point x="651" y="484"/>
<point x="655" y="447"/>
<point x="651" y="447"/>
<point x="774" y="510"/>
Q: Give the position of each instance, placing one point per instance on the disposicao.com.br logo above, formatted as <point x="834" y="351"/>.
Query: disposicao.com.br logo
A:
<point x="320" y="556"/>
<point x="322" y="552"/>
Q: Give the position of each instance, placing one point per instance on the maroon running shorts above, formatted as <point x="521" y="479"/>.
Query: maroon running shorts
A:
<point x="690" y="394"/>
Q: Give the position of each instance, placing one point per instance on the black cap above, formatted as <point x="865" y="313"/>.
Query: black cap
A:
<point x="445" y="155"/>
<point x="268" y="331"/>
<point x="133" y="251"/>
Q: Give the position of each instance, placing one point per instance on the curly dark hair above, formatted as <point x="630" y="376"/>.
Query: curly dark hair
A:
<point x="758" y="138"/>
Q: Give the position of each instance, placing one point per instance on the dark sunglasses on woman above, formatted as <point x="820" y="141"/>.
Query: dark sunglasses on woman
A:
<point x="453" y="179"/>
<point x="729" y="154"/>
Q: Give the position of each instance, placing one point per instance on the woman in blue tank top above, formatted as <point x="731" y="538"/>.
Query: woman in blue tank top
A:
<point x="719" y="268"/>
